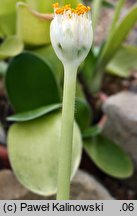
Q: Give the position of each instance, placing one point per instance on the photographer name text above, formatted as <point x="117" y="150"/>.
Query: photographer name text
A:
<point x="55" y="207"/>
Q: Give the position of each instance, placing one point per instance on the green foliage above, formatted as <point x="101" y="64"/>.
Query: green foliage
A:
<point x="106" y="4"/>
<point x="33" y="151"/>
<point x="7" y="17"/>
<point x="7" y="6"/>
<point x="33" y="114"/>
<point x="47" y="54"/>
<point x="83" y="114"/>
<point x="118" y="35"/>
<point x="8" y="24"/>
<point x="96" y="11"/>
<point x="89" y="66"/>
<point x="1" y="32"/>
<point x="12" y="46"/>
<point x="91" y="132"/>
<point x="46" y="5"/>
<point x="38" y="34"/>
<point x="95" y="66"/>
<point x="116" y="15"/>
<point x="124" y="62"/>
<point x="41" y="5"/>
<point x="89" y="69"/>
<point x="30" y="83"/>
<point x="109" y="157"/>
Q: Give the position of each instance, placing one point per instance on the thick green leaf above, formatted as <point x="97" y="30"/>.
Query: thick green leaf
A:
<point x="1" y="32"/>
<point x="7" y="6"/>
<point x="48" y="54"/>
<point x="79" y="91"/>
<point x="33" y="152"/>
<point x="109" y="157"/>
<point x="116" y="15"/>
<point x="96" y="11"/>
<point x="108" y="4"/>
<point x="33" y="114"/>
<point x="124" y="62"/>
<point x="30" y="83"/>
<point x="83" y="114"/>
<point x="45" y="6"/>
<point x="91" y="132"/>
<point x="119" y="34"/>
<point x="8" y="17"/>
<point x="8" y="24"/>
<point x="88" y="67"/>
<point x="12" y="46"/>
<point x="90" y="71"/>
<point x="32" y="27"/>
<point x="72" y="2"/>
<point x="41" y="5"/>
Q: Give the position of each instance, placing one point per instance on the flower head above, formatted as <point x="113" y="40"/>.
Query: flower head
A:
<point x="71" y="33"/>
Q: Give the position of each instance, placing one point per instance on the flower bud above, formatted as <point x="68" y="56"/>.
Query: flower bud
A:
<point x="71" y="33"/>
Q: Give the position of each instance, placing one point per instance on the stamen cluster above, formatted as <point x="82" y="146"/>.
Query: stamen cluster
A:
<point x="80" y="9"/>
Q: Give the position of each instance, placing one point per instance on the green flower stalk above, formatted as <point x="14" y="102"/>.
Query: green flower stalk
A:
<point x="71" y="37"/>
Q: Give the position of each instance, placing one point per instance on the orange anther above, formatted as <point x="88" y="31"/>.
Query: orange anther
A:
<point x="56" y="5"/>
<point x="80" y="9"/>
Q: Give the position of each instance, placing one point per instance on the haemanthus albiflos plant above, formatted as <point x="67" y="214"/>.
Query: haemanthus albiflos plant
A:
<point x="71" y="37"/>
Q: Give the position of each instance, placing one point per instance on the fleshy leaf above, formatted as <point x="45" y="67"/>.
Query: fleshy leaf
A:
<point x="8" y="24"/>
<point x="96" y="11"/>
<point x="45" y="6"/>
<point x="41" y="5"/>
<point x="33" y="152"/>
<point x="7" y="6"/>
<point x="83" y="114"/>
<point x="116" y="16"/>
<point x="72" y="2"/>
<point x="124" y="62"/>
<point x="88" y="67"/>
<point x="91" y="132"/>
<point x="48" y="54"/>
<point x="118" y="35"/>
<point x="109" y="157"/>
<point x="106" y="4"/>
<point x="12" y="46"/>
<point x="32" y="26"/>
<point x="1" y="32"/>
<point x="8" y="17"/>
<point x="30" y="83"/>
<point x="33" y="114"/>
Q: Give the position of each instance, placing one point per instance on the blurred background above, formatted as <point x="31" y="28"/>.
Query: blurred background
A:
<point x="106" y="97"/>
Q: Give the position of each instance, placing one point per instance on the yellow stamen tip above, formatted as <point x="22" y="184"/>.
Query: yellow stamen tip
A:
<point x="56" y="5"/>
<point x="80" y="9"/>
